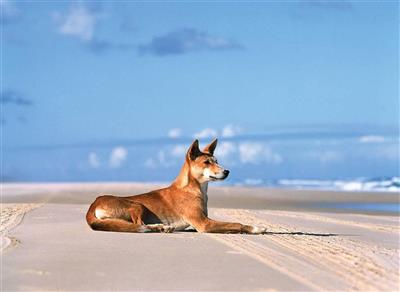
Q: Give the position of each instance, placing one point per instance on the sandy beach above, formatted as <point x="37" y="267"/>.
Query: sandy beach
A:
<point x="47" y="245"/>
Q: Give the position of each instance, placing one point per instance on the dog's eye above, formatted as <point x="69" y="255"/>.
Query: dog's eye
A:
<point x="207" y="162"/>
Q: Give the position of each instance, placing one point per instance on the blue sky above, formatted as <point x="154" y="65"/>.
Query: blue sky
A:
<point x="78" y="72"/>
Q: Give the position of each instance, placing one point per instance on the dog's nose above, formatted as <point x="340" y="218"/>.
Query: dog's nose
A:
<point x="226" y="172"/>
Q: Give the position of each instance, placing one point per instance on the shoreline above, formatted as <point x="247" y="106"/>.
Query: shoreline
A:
<point x="385" y="203"/>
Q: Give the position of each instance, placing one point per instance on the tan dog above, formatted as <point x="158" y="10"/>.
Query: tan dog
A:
<point x="182" y="204"/>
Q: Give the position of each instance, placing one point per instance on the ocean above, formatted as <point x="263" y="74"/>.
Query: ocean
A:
<point x="324" y="161"/>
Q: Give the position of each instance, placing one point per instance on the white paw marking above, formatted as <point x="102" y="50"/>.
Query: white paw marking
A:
<point x="168" y="229"/>
<point x="258" y="230"/>
<point x="143" y="229"/>
<point x="156" y="228"/>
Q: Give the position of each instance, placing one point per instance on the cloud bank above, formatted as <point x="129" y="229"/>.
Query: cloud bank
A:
<point x="229" y="131"/>
<point x="255" y="153"/>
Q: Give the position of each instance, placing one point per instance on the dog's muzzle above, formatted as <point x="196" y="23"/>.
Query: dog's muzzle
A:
<point x="221" y="176"/>
<point x="226" y="173"/>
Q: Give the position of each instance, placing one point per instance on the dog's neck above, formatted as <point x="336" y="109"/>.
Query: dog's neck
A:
<point x="204" y="189"/>
<point x="185" y="180"/>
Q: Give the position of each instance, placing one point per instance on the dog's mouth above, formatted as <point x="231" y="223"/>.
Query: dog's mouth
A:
<point x="218" y="178"/>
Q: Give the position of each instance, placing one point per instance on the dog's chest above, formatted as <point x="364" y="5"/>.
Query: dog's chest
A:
<point x="180" y="225"/>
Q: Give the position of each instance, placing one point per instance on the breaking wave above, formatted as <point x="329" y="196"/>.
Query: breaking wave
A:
<point x="360" y="184"/>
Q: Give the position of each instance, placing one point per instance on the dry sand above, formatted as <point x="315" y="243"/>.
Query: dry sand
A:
<point x="10" y="216"/>
<point x="304" y="249"/>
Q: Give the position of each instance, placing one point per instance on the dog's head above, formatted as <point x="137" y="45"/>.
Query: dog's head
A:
<point x="203" y="165"/>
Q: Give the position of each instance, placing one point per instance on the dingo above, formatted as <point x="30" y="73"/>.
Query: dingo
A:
<point x="182" y="204"/>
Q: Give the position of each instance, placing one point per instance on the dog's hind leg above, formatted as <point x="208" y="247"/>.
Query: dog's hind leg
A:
<point x="138" y="215"/>
<point x="116" y="225"/>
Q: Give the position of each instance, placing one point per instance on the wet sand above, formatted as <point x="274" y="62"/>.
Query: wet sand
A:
<point x="48" y="245"/>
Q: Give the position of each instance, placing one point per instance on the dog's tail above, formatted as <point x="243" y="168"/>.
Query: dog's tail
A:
<point x="110" y="224"/>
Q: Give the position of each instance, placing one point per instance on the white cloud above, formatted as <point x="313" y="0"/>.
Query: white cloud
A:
<point x="250" y="152"/>
<point x="118" y="156"/>
<point x="270" y="156"/>
<point x="255" y="153"/>
<point x="206" y="133"/>
<point x="175" y="133"/>
<point x="163" y="159"/>
<point x="371" y="139"/>
<point x="230" y="131"/>
<point x="167" y="157"/>
<point x="79" y="22"/>
<point x="390" y="152"/>
<point x="325" y="156"/>
<point x="225" y="149"/>
<point x="93" y="160"/>
<point x="329" y="156"/>
<point x="150" y="163"/>
<point x="228" y="152"/>
<point x="179" y="150"/>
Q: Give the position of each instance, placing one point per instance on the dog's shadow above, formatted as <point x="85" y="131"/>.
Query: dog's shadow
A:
<point x="301" y="233"/>
<point x="285" y="233"/>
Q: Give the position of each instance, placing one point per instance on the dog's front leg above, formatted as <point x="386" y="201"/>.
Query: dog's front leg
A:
<point x="213" y="226"/>
<point x="203" y="224"/>
<point x="158" y="228"/>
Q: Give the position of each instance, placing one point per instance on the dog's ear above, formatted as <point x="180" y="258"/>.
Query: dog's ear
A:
<point x="210" y="148"/>
<point x="194" y="150"/>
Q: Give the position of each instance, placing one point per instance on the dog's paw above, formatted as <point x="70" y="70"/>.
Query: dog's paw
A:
<point x="258" y="230"/>
<point x="168" y="229"/>
<point x="155" y="227"/>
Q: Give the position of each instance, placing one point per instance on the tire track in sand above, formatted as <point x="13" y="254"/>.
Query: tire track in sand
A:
<point x="332" y="262"/>
<point x="390" y="227"/>
<point x="11" y="215"/>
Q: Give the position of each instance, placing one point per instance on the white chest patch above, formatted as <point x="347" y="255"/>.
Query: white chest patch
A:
<point x="179" y="225"/>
